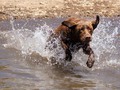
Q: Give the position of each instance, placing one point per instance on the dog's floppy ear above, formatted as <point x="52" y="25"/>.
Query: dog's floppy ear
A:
<point x="96" y="22"/>
<point x="68" y="24"/>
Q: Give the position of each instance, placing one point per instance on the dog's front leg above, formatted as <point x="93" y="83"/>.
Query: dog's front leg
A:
<point x="68" y="55"/>
<point x="87" y="50"/>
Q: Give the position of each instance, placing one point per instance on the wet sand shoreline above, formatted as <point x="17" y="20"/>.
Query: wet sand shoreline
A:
<point x="58" y="8"/>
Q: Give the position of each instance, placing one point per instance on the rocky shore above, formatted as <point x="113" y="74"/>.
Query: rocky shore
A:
<point x="58" y="8"/>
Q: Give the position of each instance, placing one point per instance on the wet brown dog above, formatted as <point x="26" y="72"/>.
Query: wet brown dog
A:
<point x="75" y="34"/>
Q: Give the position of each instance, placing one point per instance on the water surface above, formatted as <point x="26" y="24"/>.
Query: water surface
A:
<point x="25" y="64"/>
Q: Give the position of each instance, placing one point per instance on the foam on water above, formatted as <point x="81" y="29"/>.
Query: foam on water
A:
<point x="29" y="41"/>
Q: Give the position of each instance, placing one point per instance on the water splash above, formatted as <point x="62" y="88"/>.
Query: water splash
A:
<point x="29" y="41"/>
<point x="104" y="40"/>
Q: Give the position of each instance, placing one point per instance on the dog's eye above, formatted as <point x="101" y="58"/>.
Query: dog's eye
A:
<point x="89" y="28"/>
<point x="82" y="28"/>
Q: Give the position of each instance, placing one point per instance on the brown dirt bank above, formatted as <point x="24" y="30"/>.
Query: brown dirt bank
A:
<point x="58" y="8"/>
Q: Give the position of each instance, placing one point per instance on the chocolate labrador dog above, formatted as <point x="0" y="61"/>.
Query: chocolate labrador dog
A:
<point x="77" y="33"/>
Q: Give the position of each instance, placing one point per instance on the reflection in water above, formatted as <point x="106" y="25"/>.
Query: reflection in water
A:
<point x="26" y="64"/>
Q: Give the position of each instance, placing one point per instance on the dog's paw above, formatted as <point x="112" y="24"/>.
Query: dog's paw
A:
<point x="90" y="63"/>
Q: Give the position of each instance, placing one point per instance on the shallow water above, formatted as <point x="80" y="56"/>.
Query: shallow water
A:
<point x="25" y="63"/>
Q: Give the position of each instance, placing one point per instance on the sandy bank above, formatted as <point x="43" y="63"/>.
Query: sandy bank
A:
<point x="58" y="8"/>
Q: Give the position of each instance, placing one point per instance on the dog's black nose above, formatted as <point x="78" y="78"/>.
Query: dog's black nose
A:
<point x="88" y="39"/>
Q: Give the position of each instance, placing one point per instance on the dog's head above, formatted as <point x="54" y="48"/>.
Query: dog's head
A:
<point x="82" y="27"/>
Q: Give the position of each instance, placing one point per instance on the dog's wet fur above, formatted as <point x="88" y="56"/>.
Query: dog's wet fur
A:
<point x="77" y="33"/>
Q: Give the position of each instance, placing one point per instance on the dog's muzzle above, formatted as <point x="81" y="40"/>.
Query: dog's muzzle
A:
<point x="87" y="39"/>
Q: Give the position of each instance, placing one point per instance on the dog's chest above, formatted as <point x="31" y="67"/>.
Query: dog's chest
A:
<point x="75" y="46"/>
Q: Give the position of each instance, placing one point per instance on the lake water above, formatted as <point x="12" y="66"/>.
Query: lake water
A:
<point x="25" y="63"/>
